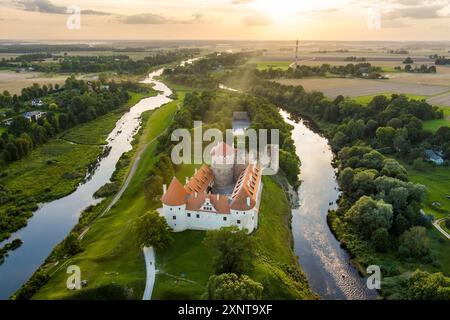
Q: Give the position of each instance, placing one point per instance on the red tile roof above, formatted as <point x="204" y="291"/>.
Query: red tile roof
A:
<point x="246" y="188"/>
<point x="175" y="194"/>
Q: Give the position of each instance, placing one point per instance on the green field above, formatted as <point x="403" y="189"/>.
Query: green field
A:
<point x="366" y="99"/>
<point x="96" y="132"/>
<point x="110" y="254"/>
<point x="437" y="181"/>
<point x="434" y="125"/>
<point x="50" y="171"/>
<point x="262" y="65"/>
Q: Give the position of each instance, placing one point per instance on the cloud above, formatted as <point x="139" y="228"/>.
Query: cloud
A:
<point x="393" y="24"/>
<point x="150" y="18"/>
<point x="45" y="6"/>
<point x="257" y="20"/>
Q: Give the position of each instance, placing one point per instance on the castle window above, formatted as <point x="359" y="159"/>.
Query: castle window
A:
<point x="174" y="217"/>
<point x="239" y="222"/>
<point x="189" y="215"/>
<point x="224" y="218"/>
<point x="198" y="216"/>
<point x="170" y="209"/>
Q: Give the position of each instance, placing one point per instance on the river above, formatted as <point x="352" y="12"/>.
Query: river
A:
<point x="52" y="222"/>
<point x="326" y="265"/>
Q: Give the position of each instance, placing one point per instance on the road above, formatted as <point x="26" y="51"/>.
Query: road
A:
<point x="149" y="255"/>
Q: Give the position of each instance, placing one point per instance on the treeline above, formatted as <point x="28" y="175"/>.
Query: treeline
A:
<point x="206" y="72"/>
<point x="115" y="63"/>
<point x="302" y="71"/>
<point x="75" y="103"/>
<point x="417" y="69"/>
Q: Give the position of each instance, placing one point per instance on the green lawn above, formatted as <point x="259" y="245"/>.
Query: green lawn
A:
<point x="262" y="65"/>
<point x="366" y="99"/>
<point x="434" y="125"/>
<point x="110" y="255"/>
<point x="437" y="182"/>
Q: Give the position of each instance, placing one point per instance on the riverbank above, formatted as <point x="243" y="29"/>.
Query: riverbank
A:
<point x="56" y="168"/>
<point x="109" y="254"/>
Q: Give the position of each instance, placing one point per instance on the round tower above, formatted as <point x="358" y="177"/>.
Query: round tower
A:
<point x="222" y="164"/>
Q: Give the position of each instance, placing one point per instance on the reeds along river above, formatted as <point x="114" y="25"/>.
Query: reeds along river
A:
<point x="326" y="264"/>
<point x="52" y="222"/>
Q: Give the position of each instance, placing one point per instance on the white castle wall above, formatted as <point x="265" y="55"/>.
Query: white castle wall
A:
<point x="180" y="219"/>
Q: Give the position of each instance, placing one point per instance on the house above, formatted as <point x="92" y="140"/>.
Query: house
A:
<point x="225" y="194"/>
<point x="33" y="115"/>
<point x="434" y="156"/>
<point x="37" y="103"/>
<point x="7" y="122"/>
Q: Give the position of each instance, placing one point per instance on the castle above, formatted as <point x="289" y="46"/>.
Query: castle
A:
<point x="226" y="194"/>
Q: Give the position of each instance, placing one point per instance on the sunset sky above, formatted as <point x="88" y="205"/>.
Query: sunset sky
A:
<point x="228" y="19"/>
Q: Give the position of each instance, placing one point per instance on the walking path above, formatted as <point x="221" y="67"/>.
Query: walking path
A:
<point x="436" y="224"/>
<point x="149" y="255"/>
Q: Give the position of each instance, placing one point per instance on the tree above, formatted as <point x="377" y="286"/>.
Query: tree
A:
<point x="414" y="243"/>
<point x="428" y="286"/>
<point x="234" y="248"/>
<point x="230" y="286"/>
<point x="408" y="60"/>
<point x="152" y="230"/>
<point x="385" y="136"/>
<point x="368" y="215"/>
<point x="380" y="239"/>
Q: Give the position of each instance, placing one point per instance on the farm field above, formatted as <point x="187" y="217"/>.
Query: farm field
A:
<point x="14" y="82"/>
<point x="332" y="87"/>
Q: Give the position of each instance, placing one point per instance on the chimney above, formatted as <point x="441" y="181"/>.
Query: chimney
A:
<point x="248" y="201"/>
<point x="196" y="194"/>
<point x="195" y="170"/>
<point x="218" y="196"/>
<point x="187" y="180"/>
<point x="164" y="188"/>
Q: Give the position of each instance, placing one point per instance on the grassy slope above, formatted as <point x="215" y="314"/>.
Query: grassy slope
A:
<point x="186" y="266"/>
<point x="262" y="65"/>
<point x="96" y="132"/>
<point x="110" y="254"/>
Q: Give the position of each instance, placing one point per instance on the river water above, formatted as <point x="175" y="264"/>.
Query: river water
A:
<point x="52" y="222"/>
<point x="326" y="265"/>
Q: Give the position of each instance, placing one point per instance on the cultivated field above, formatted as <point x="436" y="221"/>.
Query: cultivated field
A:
<point x="14" y="82"/>
<point x="333" y="87"/>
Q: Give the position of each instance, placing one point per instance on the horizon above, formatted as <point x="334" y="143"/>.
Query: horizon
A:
<point x="260" y="20"/>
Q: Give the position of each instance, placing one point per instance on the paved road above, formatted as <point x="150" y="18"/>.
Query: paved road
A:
<point x="440" y="229"/>
<point x="149" y="255"/>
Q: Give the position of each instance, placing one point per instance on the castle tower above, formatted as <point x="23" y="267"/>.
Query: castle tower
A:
<point x="222" y="165"/>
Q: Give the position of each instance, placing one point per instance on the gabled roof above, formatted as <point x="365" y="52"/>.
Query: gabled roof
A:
<point x="222" y="149"/>
<point x="244" y="195"/>
<point x="220" y="203"/>
<point x="175" y="194"/>
<point x="200" y="181"/>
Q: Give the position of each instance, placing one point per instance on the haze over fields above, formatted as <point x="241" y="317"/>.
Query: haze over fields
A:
<point x="228" y="19"/>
